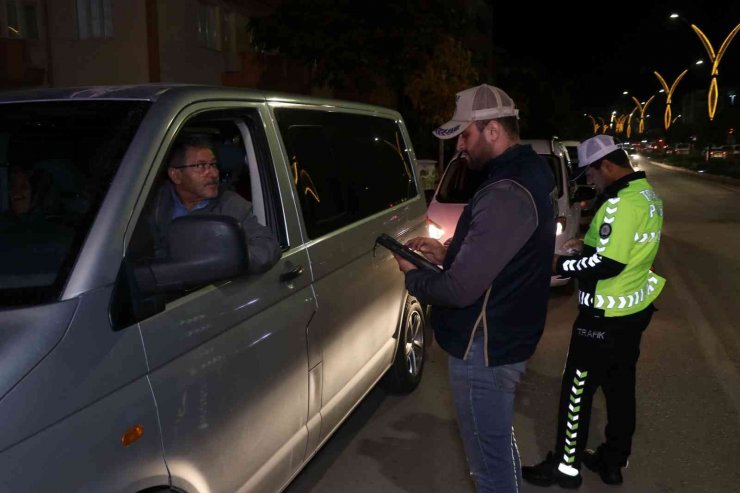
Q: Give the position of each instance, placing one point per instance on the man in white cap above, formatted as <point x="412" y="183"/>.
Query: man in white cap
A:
<point x="616" y="292"/>
<point x="490" y="302"/>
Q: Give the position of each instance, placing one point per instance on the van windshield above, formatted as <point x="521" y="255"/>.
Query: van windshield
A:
<point x="57" y="159"/>
<point x="459" y="183"/>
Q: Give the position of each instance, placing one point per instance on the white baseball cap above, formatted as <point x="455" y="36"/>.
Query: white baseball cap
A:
<point x="593" y="149"/>
<point x="482" y="102"/>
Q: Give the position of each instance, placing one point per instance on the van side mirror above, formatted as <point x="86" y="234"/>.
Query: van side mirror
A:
<point x="584" y="193"/>
<point x="202" y="250"/>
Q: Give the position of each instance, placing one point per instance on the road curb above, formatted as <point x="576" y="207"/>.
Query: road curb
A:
<point x="705" y="176"/>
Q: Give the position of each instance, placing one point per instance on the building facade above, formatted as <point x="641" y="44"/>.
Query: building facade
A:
<point x="99" y="42"/>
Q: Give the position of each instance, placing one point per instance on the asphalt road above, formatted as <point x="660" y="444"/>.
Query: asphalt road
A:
<point x="688" y="430"/>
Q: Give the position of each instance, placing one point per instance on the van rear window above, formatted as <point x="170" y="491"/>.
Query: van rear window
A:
<point x="57" y="160"/>
<point x="345" y="166"/>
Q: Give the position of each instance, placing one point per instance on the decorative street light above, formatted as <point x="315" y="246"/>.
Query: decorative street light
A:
<point x="715" y="58"/>
<point x="669" y="95"/>
<point x="642" y="107"/>
<point x="594" y="123"/>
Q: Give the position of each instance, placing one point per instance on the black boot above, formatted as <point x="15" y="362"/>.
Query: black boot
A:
<point x="546" y="474"/>
<point x="609" y="473"/>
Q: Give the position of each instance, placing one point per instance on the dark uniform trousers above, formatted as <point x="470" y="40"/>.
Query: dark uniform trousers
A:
<point x="603" y="353"/>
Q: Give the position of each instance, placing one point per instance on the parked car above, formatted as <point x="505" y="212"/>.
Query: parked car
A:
<point x="202" y="379"/>
<point x="683" y="149"/>
<point x="718" y="152"/>
<point x="459" y="183"/>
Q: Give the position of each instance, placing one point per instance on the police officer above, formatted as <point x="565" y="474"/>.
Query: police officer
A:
<point x="616" y="292"/>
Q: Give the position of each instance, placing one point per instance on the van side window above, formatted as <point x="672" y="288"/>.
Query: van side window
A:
<point x="345" y="167"/>
<point x="225" y="143"/>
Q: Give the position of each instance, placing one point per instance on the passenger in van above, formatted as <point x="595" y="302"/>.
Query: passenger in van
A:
<point x="32" y="247"/>
<point x="490" y="302"/>
<point x="193" y="188"/>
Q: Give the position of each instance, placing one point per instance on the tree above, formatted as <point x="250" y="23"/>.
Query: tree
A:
<point x="346" y="41"/>
<point x="432" y="88"/>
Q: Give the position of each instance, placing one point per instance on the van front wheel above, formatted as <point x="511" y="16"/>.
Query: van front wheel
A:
<point x="408" y="363"/>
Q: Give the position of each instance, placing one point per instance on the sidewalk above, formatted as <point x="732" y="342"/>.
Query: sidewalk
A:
<point x="706" y="176"/>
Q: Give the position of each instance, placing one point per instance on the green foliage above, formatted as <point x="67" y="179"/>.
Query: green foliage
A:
<point x="347" y="40"/>
<point x="433" y="86"/>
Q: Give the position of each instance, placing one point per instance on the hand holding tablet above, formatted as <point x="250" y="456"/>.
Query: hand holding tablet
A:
<point x="405" y="252"/>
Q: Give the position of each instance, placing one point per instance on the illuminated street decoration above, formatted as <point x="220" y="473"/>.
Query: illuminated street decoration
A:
<point x="642" y="108"/>
<point x="620" y="123"/>
<point x="713" y="94"/>
<point x="604" y="125"/>
<point x="594" y="123"/>
<point x="669" y="94"/>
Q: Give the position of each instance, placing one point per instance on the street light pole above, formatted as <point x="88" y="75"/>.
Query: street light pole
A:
<point x="629" y="121"/>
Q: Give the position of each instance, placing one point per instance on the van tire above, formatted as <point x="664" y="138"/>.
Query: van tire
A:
<point x="405" y="373"/>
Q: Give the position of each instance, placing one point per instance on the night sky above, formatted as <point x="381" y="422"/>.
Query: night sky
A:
<point x="620" y="44"/>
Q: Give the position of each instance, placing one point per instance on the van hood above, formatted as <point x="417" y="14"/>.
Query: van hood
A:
<point x="27" y="335"/>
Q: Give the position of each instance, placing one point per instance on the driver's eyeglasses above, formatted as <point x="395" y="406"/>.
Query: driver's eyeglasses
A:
<point x="200" y="167"/>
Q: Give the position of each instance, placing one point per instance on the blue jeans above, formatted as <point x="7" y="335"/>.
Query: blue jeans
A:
<point x="484" y="402"/>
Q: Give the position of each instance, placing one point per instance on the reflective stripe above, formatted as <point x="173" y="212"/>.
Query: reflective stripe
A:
<point x="625" y="300"/>
<point x="582" y="263"/>
<point x="647" y="237"/>
<point x="571" y="432"/>
<point x="568" y="470"/>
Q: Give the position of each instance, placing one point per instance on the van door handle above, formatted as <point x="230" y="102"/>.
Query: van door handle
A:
<point x="291" y="274"/>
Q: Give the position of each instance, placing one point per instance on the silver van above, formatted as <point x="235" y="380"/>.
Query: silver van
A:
<point x="202" y="379"/>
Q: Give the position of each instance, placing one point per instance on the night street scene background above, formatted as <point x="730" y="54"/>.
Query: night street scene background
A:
<point x="559" y="61"/>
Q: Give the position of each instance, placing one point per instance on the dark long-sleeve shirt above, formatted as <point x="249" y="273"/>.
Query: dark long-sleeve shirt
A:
<point x="504" y="217"/>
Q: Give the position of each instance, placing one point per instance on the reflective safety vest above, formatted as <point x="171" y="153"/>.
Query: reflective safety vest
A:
<point x="626" y="229"/>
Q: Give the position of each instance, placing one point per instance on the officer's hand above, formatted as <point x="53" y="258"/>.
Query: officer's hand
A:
<point x="573" y="246"/>
<point x="432" y="249"/>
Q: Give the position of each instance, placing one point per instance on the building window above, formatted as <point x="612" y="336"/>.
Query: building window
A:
<point x="21" y="20"/>
<point x="209" y="26"/>
<point x="94" y="19"/>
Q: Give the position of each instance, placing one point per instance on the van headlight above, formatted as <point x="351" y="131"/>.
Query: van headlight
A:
<point x="434" y="230"/>
<point x="560" y="225"/>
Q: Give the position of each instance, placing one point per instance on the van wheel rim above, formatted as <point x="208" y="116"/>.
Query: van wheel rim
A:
<point x="414" y="347"/>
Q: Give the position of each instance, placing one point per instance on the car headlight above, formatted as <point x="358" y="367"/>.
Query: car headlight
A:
<point x="560" y="224"/>
<point x="434" y="230"/>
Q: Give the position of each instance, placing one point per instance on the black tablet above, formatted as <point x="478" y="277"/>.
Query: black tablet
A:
<point x="405" y="252"/>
